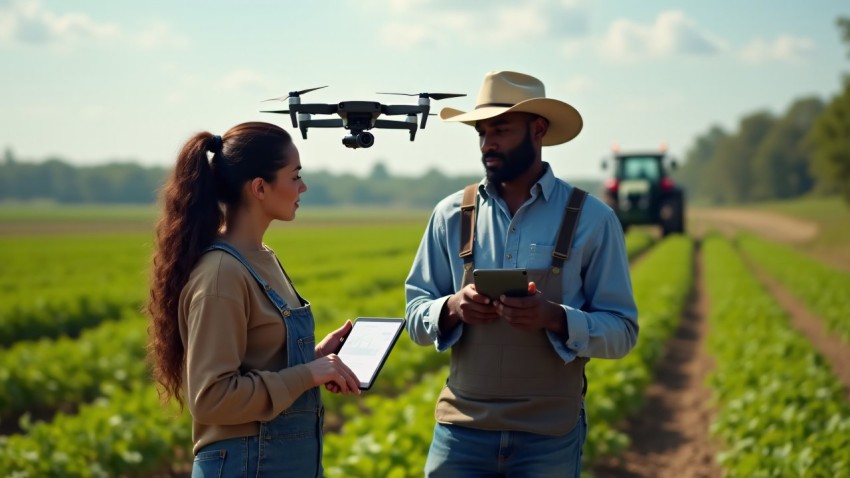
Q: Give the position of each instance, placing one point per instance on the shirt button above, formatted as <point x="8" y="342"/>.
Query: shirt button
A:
<point x="508" y="256"/>
<point x="513" y="229"/>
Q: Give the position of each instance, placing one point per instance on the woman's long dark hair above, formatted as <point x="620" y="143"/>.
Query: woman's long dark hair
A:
<point x="195" y="199"/>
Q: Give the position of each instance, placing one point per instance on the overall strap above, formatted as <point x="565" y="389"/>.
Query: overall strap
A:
<point x="273" y="296"/>
<point x="467" y="224"/>
<point x="567" y="232"/>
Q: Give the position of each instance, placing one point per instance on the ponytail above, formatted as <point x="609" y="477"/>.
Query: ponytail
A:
<point x="192" y="217"/>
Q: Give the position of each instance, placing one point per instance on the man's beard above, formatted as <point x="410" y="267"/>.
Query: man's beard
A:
<point x="514" y="162"/>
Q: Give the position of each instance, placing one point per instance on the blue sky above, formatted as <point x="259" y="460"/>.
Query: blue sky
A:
<point x="93" y="81"/>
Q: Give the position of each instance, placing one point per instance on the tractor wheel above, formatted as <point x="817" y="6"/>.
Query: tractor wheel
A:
<point x="673" y="216"/>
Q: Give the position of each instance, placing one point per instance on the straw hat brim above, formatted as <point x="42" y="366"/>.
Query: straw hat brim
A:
<point x="565" y="122"/>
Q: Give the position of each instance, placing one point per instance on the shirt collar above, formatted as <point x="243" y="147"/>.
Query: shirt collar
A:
<point x="544" y="185"/>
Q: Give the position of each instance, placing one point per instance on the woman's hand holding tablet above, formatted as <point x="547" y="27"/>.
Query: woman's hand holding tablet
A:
<point x="367" y="346"/>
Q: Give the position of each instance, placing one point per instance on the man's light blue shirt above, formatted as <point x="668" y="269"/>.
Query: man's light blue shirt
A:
<point x="596" y="286"/>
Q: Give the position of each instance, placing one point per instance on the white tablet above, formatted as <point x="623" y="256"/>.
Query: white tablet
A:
<point x="367" y="346"/>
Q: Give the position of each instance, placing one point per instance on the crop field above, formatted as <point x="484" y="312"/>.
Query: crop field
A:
<point x="740" y="368"/>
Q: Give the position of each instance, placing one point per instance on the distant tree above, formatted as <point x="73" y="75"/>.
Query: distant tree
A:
<point x="59" y="181"/>
<point x="830" y="137"/>
<point x="691" y="174"/>
<point x="730" y="173"/>
<point x="780" y="167"/>
<point x="379" y="172"/>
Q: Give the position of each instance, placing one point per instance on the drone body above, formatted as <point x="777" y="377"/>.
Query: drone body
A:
<point x="358" y="116"/>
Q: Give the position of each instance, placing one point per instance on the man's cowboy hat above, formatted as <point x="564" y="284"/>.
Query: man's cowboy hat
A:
<point x="509" y="91"/>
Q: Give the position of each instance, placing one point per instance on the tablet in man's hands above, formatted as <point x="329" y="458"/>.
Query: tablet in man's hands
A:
<point x="495" y="282"/>
<point x="367" y="346"/>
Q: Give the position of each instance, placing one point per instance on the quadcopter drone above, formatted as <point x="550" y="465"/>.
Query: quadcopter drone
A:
<point x="358" y="116"/>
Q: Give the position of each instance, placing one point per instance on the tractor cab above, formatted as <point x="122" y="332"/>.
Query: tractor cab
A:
<point x="641" y="192"/>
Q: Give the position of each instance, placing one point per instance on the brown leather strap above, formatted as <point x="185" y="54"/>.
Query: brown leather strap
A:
<point x="568" y="229"/>
<point x="467" y="221"/>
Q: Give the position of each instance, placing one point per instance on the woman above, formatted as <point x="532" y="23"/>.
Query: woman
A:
<point x="228" y="328"/>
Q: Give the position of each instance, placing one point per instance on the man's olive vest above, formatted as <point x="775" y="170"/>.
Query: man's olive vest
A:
<point x="505" y="378"/>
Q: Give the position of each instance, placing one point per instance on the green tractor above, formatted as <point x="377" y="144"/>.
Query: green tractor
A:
<point x="642" y="193"/>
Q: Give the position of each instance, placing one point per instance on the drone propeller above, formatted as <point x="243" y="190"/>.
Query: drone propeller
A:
<point x="433" y="96"/>
<point x="295" y="94"/>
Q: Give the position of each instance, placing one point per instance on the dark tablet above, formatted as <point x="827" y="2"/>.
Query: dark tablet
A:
<point x="365" y="349"/>
<point x="495" y="282"/>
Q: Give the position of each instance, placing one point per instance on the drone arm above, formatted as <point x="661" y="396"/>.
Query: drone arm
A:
<point x="314" y="108"/>
<point x="318" y="123"/>
<point x="390" y="124"/>
<point x="400" y="109"/>
<point x="323" y="123"/>
<point x="426" y="109"/>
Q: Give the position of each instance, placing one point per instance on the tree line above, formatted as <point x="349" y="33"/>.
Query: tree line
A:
<point x="58" y="181"/>
<point x="804" y="150"/>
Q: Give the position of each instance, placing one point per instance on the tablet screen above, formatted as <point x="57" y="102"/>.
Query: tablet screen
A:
<point x="368" y="345"/>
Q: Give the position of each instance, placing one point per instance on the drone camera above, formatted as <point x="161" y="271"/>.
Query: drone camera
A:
<point x="364" y="139"/>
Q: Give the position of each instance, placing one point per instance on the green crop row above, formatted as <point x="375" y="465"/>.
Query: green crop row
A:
<point x="61" y="316"/>
<point x="824" y="290"/>
<point x="51" y="288"/>
<point x="662" y="283"/>
<point x="122" y="433"/>
<point x="638" y="241"/>
<point x="781" y="411"/>
<point x="386" y="437"/>
<point x="46" y="374"/>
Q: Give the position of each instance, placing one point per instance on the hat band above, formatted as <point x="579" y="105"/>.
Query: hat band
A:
<point x="486" y="105"/>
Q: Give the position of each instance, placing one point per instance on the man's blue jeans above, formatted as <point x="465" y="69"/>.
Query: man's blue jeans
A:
<point x="469" y="453"/>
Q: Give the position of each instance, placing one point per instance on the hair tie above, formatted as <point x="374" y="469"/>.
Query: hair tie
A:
<point x="216" y="144"/>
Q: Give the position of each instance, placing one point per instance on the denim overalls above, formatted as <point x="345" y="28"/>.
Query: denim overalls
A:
<point x="291" y="443"/>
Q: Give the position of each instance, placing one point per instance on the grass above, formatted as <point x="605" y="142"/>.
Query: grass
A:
<point x="831" y="214"/>
<point x="38" y="212"/>
<point x="40" y="218"/>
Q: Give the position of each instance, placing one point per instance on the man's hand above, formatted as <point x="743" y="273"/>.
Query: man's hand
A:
<point x="467" y="305"/>
<point x="532" y="312"/>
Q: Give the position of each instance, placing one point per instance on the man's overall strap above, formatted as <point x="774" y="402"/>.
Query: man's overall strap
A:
<point x="467" y="223"/>
<point x="567" y="232"/>
<point x="273" y="296"/>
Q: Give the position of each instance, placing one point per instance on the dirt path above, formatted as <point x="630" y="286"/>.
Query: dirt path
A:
<point x="770" y="225"/>
<point x="670" y="436"/>
<point x="791" y="231"/>
<point x="829" y="346"/>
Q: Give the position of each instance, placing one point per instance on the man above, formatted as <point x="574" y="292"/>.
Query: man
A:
<point x="513" y="404"/>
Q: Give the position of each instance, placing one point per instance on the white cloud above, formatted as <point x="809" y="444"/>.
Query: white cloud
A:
<point x="673" y="33"/>
<point x="783" y="48"/>
<point x="476" y="23"/>
<point x="29" y="22"/>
